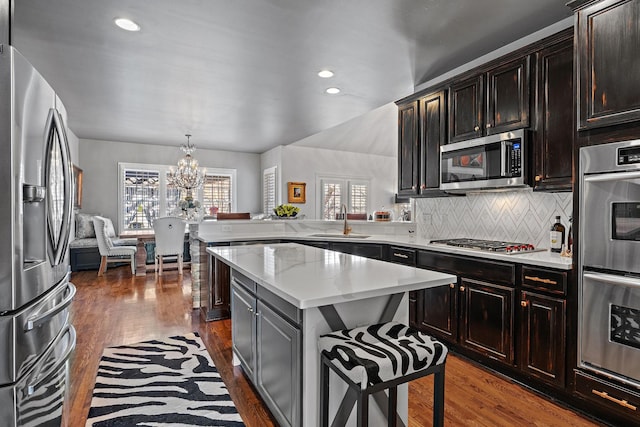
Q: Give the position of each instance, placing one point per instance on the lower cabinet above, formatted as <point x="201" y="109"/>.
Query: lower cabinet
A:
<point x="477" y="312"/>
<point x="367" y="250"/>
<point x="437" y="311"/>
<point x="268" y="341"/>
<point x="542" y="343"/>
<point x="487" y="319"/>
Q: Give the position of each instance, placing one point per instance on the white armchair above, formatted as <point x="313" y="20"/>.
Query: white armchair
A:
<point x="108" y="251"/>
<point x="169" y="235"/>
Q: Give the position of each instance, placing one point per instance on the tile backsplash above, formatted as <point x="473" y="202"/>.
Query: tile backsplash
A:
<point x="518" y="216"/>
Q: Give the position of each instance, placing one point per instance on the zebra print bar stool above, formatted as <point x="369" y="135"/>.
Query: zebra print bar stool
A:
<point x="378" y="357"/>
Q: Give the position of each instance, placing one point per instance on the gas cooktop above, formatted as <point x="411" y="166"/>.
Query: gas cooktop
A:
<point x="489" y="245"/>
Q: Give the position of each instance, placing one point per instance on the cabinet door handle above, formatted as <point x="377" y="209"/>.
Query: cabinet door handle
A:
<point x="538" y="178"/>
<point x="452" y="285"/>
<point x="423" y="187"/>
<point x="538" y="279"/>
<point x="250" y="310"/>
<point x="413" y="187"/>
<point x="523" y="303"/>
<point x="257" y="313"/>
<point x="488" y="125"/>
<point x="620" y="402"/>
<point x="461" y="288"/>
<point x="401" y="255"/>
<point x="477" y="128"/>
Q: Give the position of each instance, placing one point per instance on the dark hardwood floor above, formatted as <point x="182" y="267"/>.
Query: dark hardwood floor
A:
<point x="120" y="309"/>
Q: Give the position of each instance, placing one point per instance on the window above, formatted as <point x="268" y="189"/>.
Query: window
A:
<point x="269" y="187"/>
<point x="216" y="193"/>
<point x="140" y="202"/>
<point x="336" y="192"/>
<point x="145" y="194"/>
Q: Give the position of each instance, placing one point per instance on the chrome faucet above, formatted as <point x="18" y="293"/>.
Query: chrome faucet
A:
<point x="346" y="230"/>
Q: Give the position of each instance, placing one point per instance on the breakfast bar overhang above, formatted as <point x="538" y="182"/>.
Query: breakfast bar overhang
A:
<point x="285" y="295"/>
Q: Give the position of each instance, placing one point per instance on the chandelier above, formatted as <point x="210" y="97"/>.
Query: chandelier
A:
<point x="188" y="176"/>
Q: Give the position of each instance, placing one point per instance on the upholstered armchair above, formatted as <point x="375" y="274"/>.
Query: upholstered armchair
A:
<point x="108" y="251"/>
<point x="169" y="235"/>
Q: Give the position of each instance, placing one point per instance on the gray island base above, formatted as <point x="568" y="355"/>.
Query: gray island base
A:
<point x="284" y="296"/>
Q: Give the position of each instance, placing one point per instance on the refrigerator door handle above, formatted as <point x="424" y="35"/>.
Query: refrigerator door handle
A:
<point x="39" y="377"/>
<point x="37" y="320"/>
<point x="60" y="238"/>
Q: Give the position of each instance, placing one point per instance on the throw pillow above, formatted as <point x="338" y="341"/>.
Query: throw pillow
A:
<point x="84" y="226"/>
<point x="108" y="227"/>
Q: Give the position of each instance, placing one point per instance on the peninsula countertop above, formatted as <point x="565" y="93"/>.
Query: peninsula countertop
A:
<point x="310" y="277"/>
<point x="542" y="258"/>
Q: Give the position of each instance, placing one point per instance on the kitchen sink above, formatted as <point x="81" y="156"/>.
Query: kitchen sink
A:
<point x="340" y="235"/>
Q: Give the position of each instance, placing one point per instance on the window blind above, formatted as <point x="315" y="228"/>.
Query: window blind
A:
<point x="269" y="190"/>
<point x="216" y="193"/>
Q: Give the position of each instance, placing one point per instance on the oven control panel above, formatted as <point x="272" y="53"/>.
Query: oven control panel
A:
<point x="628" y="155"/>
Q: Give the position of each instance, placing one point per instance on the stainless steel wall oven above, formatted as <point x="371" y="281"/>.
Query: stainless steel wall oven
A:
<point x="609" y="261"/>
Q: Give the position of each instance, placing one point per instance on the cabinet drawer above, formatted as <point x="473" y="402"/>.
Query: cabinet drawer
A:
<point x="244" y="281"/>
<point x="286" y="309"/>
<point x="402" y="255"/>
<point x="608" y="395"/>
<point x="545" y="280"/>
<point x="493" y="271"/>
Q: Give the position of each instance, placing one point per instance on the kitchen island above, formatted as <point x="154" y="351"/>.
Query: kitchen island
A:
<point x="284" y="296"/>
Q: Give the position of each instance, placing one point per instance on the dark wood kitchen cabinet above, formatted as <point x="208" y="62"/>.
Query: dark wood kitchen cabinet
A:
<point x="554" y="141"/>
<point x="542" y="343"/>
<point x="608" y="42"/>
<point x="216" y="300"/>
<point x="421" y="131"/>
<point x="477" y="312"/>
<point x="487" y="318"/>
<point x="408" y="149"/>
<point x="433" y="134"/>
<point x="508" y="91"/>
<point x="543" y="324"/>
<point x="493" y="102"/>
<point x="466" y="109"/>
<point x="437" y="311"/>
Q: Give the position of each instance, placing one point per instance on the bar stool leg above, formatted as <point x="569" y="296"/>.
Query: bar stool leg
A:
<point x="438" y="397"/>
<point x="324" y="393"/>
<point x="363" y="408"/>
<point x="393" y="407"/>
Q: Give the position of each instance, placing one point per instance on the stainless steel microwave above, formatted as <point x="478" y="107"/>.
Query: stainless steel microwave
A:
<point x="495" y="161"/>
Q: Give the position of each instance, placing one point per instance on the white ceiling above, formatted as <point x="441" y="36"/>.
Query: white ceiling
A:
<point x="240" y="75"/>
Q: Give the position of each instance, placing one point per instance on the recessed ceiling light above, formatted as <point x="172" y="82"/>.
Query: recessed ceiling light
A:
<point x="127" y="24"/>
<point x="325" y="74"/>
<point x="332" y="90"/>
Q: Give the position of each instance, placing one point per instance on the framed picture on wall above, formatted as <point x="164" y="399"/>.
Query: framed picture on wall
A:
<point x="297" y="192"/>
<point x="77" y="187"/>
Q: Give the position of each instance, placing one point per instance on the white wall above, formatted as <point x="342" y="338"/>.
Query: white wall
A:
<point x="306" y="164"/>
<point x="309" y="158"/>
<point x="99" y="160"/>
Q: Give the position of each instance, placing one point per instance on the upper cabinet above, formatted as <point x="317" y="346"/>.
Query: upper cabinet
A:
<point x="466" y="112"/>
<point x="492" y="102"/>
<point x="433" y="131"/>
<point x="608" y="42"/>
<point x="555" y="103"/>
<point x="408" y="149"/>
<point x="421" y="132"/>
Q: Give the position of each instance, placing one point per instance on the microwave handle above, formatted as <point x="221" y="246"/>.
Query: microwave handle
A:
<point x="505" y="158"/>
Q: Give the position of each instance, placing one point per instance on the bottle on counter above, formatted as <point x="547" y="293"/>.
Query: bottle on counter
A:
<point x="556" y="236"/>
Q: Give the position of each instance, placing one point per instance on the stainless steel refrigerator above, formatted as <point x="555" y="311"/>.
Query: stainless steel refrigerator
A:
<point x="36" y="201"/>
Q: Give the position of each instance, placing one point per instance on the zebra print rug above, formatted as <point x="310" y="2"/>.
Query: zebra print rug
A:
<point x="168" y="382"/>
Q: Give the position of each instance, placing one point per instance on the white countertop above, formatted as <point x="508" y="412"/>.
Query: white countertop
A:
<point x="542" y="258"/>
<point x="310" y="277"/>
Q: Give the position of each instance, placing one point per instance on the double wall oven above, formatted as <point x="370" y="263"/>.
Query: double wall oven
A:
<point x="609" y="261"/>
